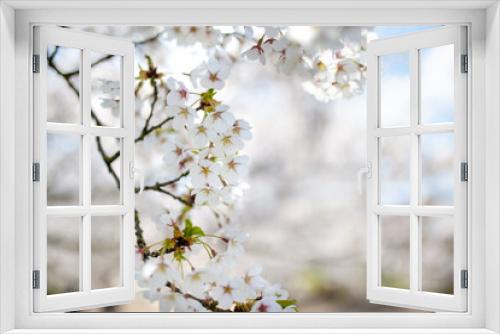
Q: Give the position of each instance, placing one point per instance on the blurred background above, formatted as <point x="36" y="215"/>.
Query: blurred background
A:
<point x="301" y="206"/>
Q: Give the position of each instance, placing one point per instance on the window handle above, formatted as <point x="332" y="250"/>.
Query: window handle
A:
<point x="137" y="174"/>
<point x="365" y="171"/>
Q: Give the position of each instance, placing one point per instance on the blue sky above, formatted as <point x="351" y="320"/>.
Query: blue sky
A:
<point x="392" y="31"/>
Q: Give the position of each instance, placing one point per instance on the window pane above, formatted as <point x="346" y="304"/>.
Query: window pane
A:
<point x="106" y="236"/>
<point x="63" y="103"/>
<point x="394" y="170"/>
<point x="395" y="248"/>
<point x="63" y="254"/>
<point x="394" y="90"/>
<point x="437" y="254"/>
<point x="106" y="181"/>
<point x="106" y="89"/>
<point x="63" y="169"/>
<point x="437" y="168"/>
<point x="436" y="84"/>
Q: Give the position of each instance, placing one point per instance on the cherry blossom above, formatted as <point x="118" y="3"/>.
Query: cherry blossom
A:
<point x="227" y="144"/>
<point x="195" y="283"/>
<point x="221" y="119"/>
<point x="201" y="134"/>
<point x="192" y="264"/>
<point x="179" y="94"/>
<point x="266" y="304"/>
<point x="241" y="128"/>
<point x="157" y="272"/>
<point x="235" y="239"/>
<point x="214" y="74"/>
<point x="207" y="196"/>
<point x="234" y="167"/>
<point x="206" y="173"/>
<point x="183" y="116"/>
<point x="253" y="281"/>
<point x="228" y="291"/>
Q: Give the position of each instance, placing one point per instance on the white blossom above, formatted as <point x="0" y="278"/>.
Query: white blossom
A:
<point x="160" y="270"/>
<point x="234" y="167"/>
<point x="253" y="281"/>
<point x="195" y="283"/>
<point x="266" y="304"/>
<point x="235" y="239"/>
<point x="205" y="173"/>
<point x="226" y="292"/>
<point x="272" y="32"/>
<point x="188" y="35"/>
<point x="275" y="291"/>
<point x="183" y="116"/>
<point x="227" y="144"/>
<point x="214" y="74"/>
<point x="173" y="302"/>
<point x="201" y="134"/>
<point x="178" y="94"/>
<point x="241" y="128"/>
<point x="175" y="155"/>
<point x="259" y="51"/>
<point x="221" y="119"/>
<point x="207" y="196"/>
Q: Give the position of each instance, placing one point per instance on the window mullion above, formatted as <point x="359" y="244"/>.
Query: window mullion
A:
<point x="414" y="173"/>
<point x="85" y="243"/>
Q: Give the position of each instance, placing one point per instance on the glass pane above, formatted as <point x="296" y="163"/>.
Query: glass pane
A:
<point x="105" y="181"/>
<point x="63" y="254"/>
<point x="106" y="89"/>
<point x="395" y="251"/>
<point x="106" y="236"/>
<point x="394" y="90"/>
<point x="63" y="103"/>
<point x="436" y="84"/>
<point x="437" y="168"/>
<point x="394" y="170"/>
<point x="437" y="254"/>
<point x="63" y="169"/>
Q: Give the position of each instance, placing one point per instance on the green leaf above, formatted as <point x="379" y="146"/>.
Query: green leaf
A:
<point x="190" y="230"/>
<point x="284" y="303"/>
<point x="196" y="230"/>
<point x="187" y="228"/>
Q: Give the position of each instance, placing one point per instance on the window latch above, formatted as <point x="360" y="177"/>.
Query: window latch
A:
<point x="137" y="172"/>
<point x="362" y="172"/>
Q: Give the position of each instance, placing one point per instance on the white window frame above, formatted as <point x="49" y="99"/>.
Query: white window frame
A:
<point x="16" y="20"/>
<point x="415" y="297"/>
<point x="86" y="296"/>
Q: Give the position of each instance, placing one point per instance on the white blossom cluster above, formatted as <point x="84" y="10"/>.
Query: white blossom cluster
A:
<point x="327" y="73"/>
<point x="202" y="144"/>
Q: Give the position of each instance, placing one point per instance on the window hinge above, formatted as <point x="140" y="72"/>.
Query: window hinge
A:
<point x="36" y="172"/>
<point x="465" y="64"/>
<point x="36" y="63"/>
<point x="36" y="279"/>
<point x="464" y="171"/>
<point x="464" y="279"/>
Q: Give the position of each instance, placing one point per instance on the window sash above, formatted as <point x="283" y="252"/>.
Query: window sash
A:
<point x="413" y="297"/>
<point x="86" y="297"/>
